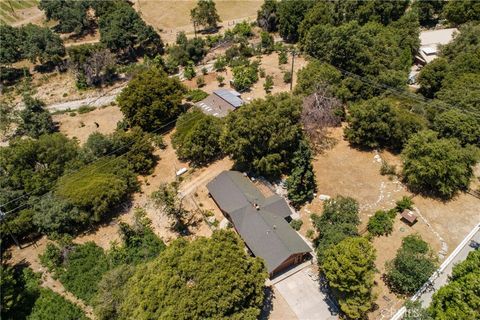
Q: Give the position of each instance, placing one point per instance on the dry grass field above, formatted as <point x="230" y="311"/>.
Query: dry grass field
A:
<point x="171" y="14"/>
<point x="343" y="170"/>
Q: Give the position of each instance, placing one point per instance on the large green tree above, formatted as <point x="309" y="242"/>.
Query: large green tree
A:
<point x="412" y="267"/>
<point x="41" y="44"/>
<point x="301" y="183"/>
<point x="437" y="166"/>
<point x="290" y="15"/>
<point x="151" y="99"/>
<point x="134" y="145"/>
<point x="460" y="298"/>
<point x="267" y="17"/>
<point x="338" y="221"/>
<point x="197" y="137"/>
<point x="71" y="15"/>
<point x="10" y="50"/>
<point x="461" y="11"/>
<point x="350" y="267"/>
<point x="205" y="278"/>
<point x="318" y="74"/>
<point x="124" y="32"/>
<point x="457" y="124"/>
<point x="371" y="56"/>
<point x="34" y="119"/>
<point x="33" y="166"/>
<point x="431" y="77"/>
<point x="205" y="14"/>
<point x="382" y="123"/>
<point x="462" y="92"/>
<point x="97" y="187"/>
<point x="263" y="135"/>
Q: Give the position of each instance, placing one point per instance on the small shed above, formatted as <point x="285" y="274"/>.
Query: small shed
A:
<point x="409" y="216"/>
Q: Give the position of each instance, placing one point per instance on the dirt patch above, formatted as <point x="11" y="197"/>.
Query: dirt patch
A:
<point x="80" y="126"/>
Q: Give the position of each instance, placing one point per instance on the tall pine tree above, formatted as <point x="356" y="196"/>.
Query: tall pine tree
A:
<point x="301" y="182"/>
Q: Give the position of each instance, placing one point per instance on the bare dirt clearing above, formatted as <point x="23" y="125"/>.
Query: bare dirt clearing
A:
<point x="343" y="170"/>
<point x="81" y="126"/>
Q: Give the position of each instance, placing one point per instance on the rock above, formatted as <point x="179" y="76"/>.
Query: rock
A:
<point x="323" y="197"/>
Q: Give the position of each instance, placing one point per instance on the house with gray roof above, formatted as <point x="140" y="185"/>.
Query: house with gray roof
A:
<point x="221" y="102"/>
<point x="260" y="221"/>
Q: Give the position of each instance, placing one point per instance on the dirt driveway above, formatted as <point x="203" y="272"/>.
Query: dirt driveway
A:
<point x="303" y="295"/>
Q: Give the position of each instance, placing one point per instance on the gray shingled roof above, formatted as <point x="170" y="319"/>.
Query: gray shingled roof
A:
<point x="264" y="230"/>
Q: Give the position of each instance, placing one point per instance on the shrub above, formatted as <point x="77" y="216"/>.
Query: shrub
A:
<point x="296" y="224"/>
<point x="204" y="71"/>
<point x="310" y="233"/>
<point x="196" y="95"/>
<point x="287" y="77"/>
<point x="282" y="57"/>
<point x="97" y="187"/>
<point x="220" y="64"/>
<point x="85" y="109"/>
<point x="381" y="223"/>
<point x="404" y="203"/>
<point x="387" y="169"/>
<point x="268" y="85"/>
<point x="200" y="81"/>
<point x="52" y="306"/>
<point x="221" y="80"/>
<point x="244" y="77"/>
<point x="189" y="71"/>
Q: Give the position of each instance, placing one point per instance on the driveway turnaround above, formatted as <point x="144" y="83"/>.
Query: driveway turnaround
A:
<point x="302" y="292"/>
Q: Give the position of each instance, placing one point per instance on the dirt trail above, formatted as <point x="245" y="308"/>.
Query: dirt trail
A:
<point x="97" y="101"/>
<point x="204" y="175"/>
<point x="30" y="255"/>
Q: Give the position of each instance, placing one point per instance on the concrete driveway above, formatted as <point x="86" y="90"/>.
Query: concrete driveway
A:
<point x="302" y="292"/>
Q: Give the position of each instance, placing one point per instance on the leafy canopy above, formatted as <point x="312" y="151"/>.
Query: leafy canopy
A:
<point x="197" y="137"/>
<point x="97" y="187"/>
<point x="151" y="99"/>
<point x="338" y="221"/>
<point x="263" y="135"/>
<point x="205" y="14"/>
<point x="350" y="267"/>
<point x="437" y="166"/>
<point x="412" y="267"/>
<point x="380" y="123"/>
<point x="301" y="183"/>
<point x="459" y="299"/>
<point x="205" y="278"/>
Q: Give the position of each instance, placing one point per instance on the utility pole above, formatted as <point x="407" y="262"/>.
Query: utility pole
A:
<point x="291" y="72"/>
<point x="2" y="216"/>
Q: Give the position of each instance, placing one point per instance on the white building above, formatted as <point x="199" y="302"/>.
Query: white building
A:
<point x="430" y="42"/>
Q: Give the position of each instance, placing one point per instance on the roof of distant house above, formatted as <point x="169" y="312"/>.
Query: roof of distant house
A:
<point x="221" y="102"/>
<point x="431" y="40"/>
<point x="260" y="221"/>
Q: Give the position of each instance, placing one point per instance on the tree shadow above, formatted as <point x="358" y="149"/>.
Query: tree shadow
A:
<point x="267" y="303"/>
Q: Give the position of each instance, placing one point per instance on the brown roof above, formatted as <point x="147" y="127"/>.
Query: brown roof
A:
<point x="409" y="216"/>
<point x="215" y="106"/>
